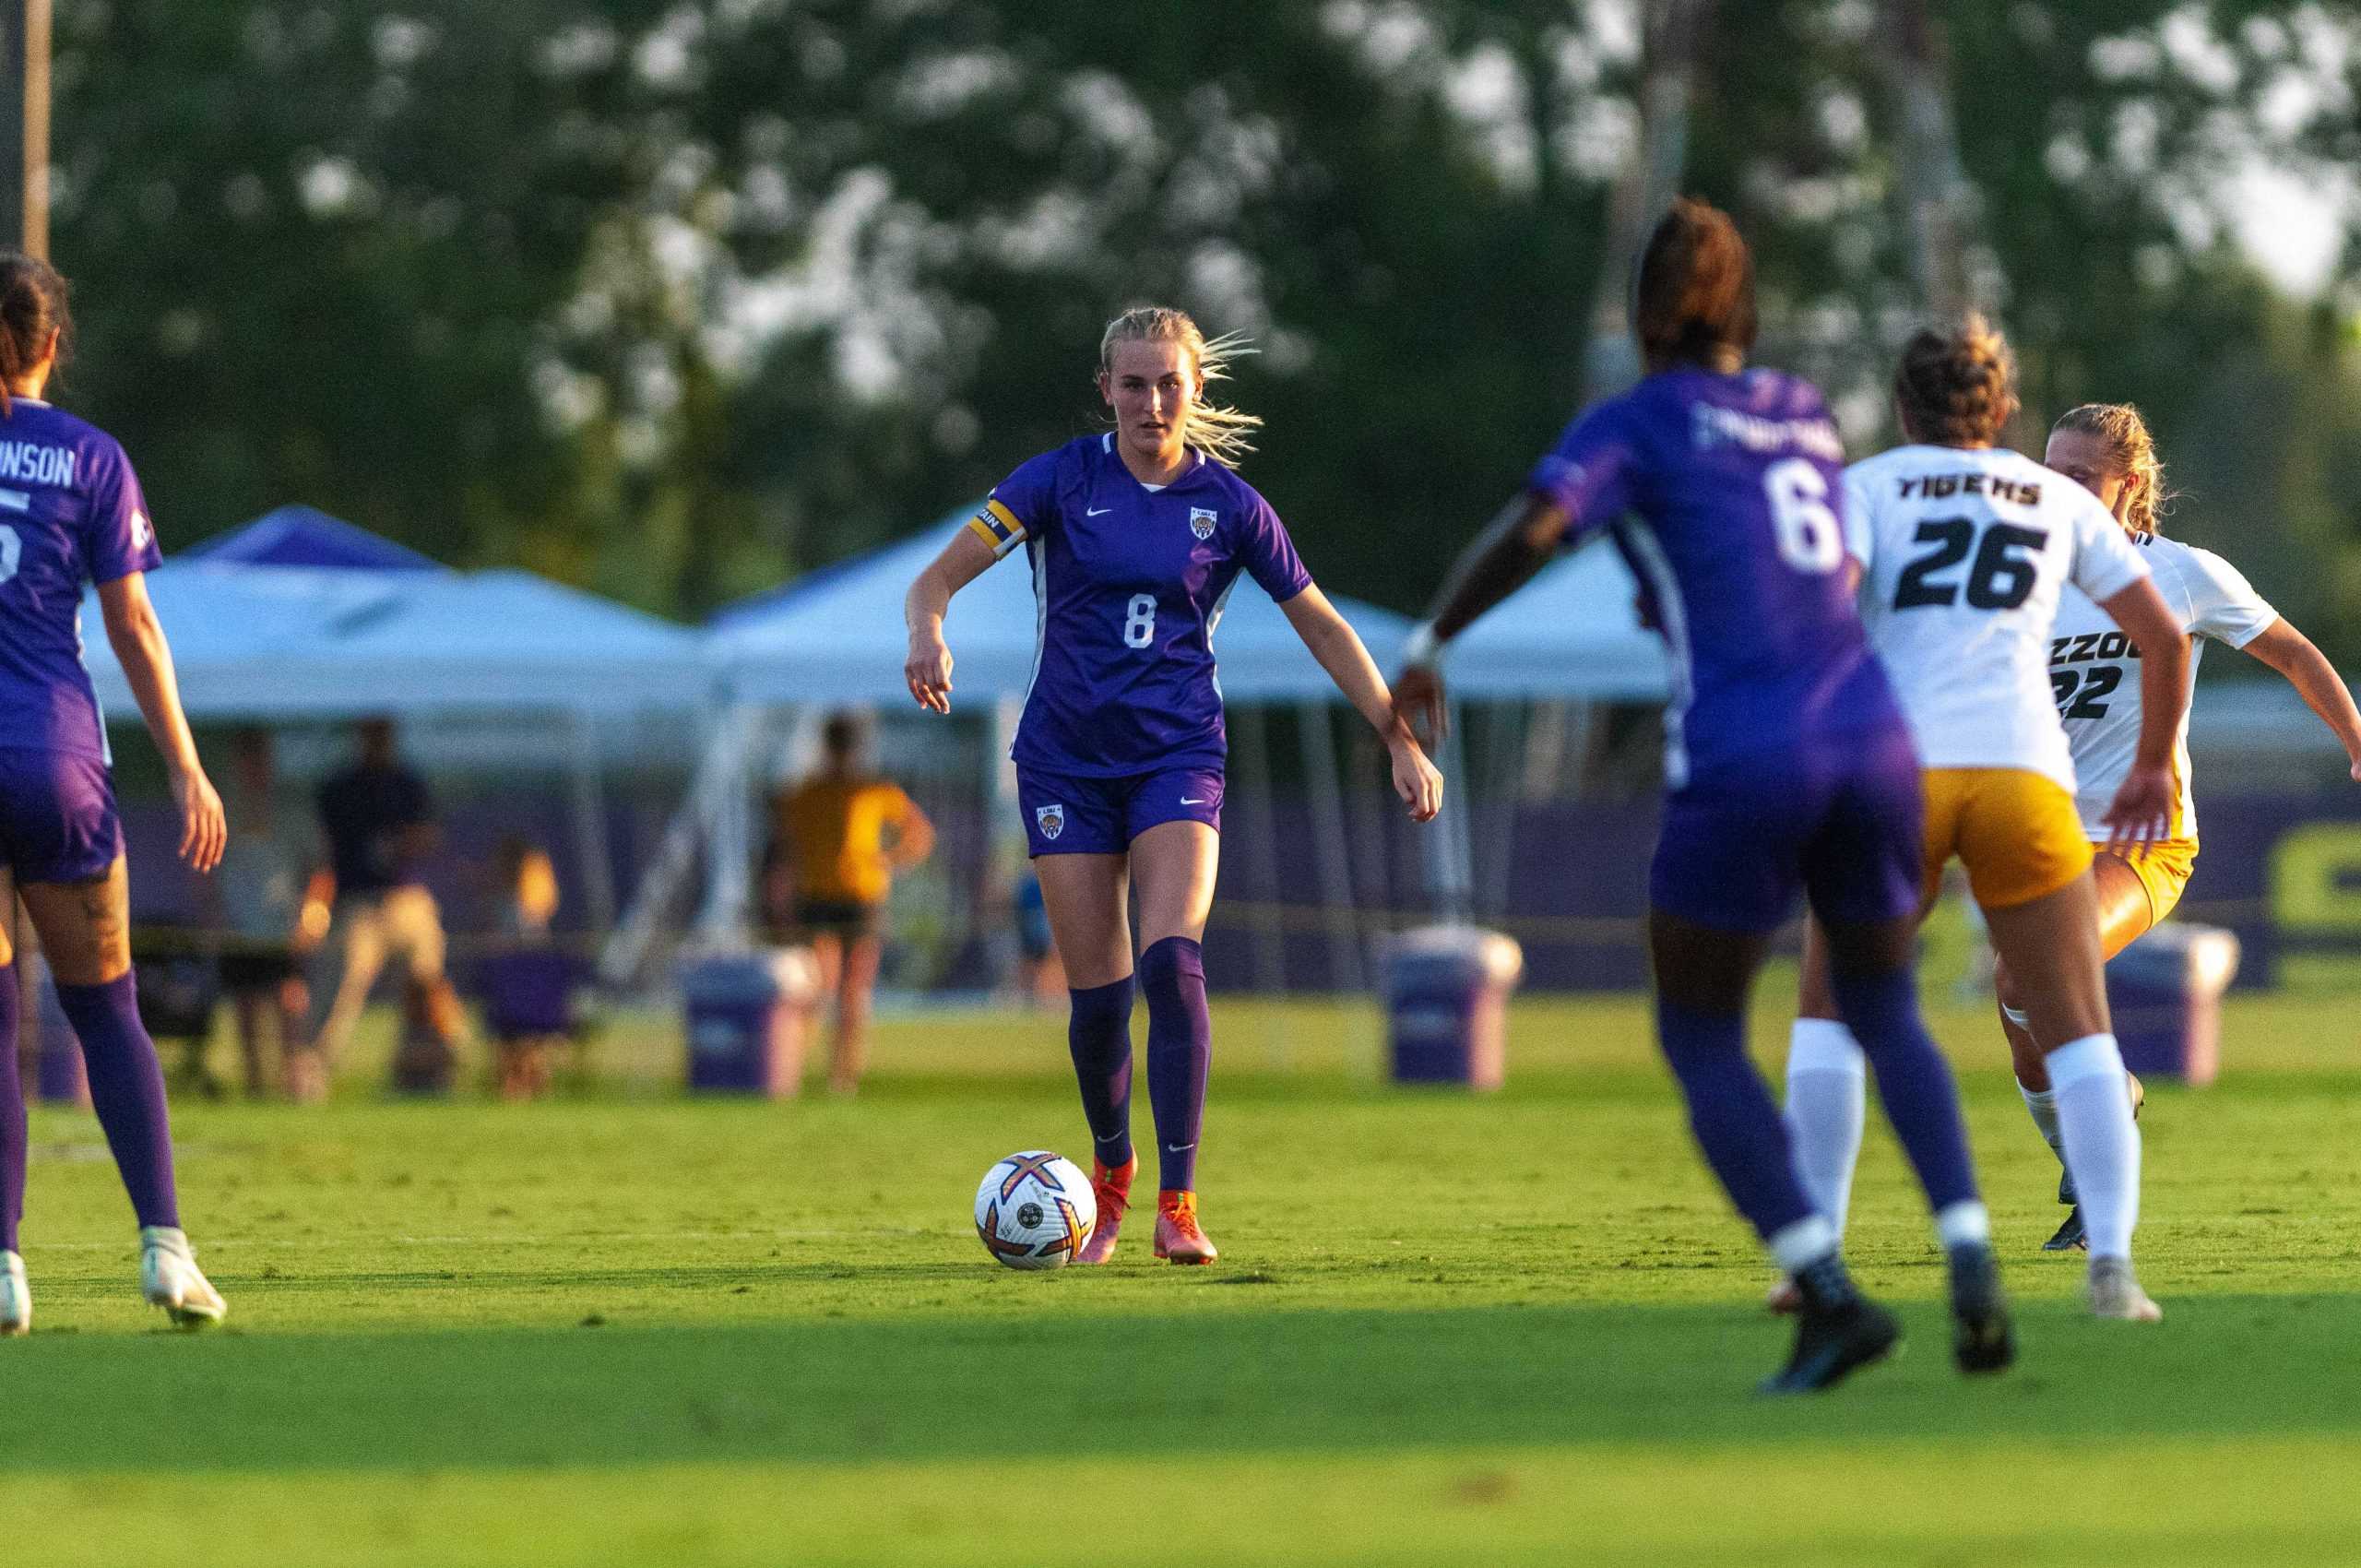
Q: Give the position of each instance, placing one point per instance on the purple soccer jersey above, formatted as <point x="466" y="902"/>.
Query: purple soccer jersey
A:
<point x="70" y="513"/>
<point x="1722" y="492"/>
<point x="1130" y="584"/>
<point x="1787" y="756"/>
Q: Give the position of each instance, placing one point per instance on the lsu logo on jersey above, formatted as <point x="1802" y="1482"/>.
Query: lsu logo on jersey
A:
<point x="142" y="531"/>
<point x="1051" y="819"/>
<point x="1200" y="522"/>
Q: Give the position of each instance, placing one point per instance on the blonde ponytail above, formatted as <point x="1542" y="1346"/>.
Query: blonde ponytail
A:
<point x="1215" y="429"/>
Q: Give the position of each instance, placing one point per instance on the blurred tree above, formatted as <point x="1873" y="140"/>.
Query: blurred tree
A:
<point x="676" y="297"/>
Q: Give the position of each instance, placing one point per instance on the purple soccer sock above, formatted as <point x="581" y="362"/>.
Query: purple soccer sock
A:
<point x="1731" y="1111"/>
<point x="127" y="1091"/>
<point x="1921" y="1097"/>
<point x="1179" y="1054"/>
<point x="12" y="1116"/>
<point x="1098" y="1033"/>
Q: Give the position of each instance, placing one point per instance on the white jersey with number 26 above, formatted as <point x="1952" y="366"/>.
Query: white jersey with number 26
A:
<point x="1964" y="555"/>
<point x="2094" y="673"/>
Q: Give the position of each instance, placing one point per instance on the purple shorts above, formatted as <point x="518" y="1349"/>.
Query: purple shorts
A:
<point x="57" y="816"/>
<point x="1069" y="814"/>
<point x="1839" y="820"/>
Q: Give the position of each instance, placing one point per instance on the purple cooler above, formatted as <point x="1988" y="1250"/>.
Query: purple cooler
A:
<point x="1446" y="1004"/>
<point x="2165" y="991"/>
<point x="746" y="1014"/>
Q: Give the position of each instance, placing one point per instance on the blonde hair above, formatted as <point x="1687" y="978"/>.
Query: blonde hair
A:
<point x="1215" y="429"/>
<point x="2130" y="451"/>
<point x="1957" y="388"/>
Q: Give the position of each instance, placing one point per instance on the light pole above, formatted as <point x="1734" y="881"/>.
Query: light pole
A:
<point x="24" y="125"/>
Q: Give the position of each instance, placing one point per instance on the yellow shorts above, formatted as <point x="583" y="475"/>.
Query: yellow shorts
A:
<point x="2163" y="870"/>
<point x="2015" y="831"/>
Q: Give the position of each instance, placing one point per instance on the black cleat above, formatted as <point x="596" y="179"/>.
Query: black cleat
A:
<point x="2070" y="1235"/>
<point x="1829" y="1343"/>
<point x="2066" y="1187"/>
<point x="1982" y="1339"/>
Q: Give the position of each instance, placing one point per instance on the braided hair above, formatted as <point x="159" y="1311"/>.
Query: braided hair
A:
<point x="1957" y="388"/>
<point x="2131" y="452"/>
<point x="32" y="306"/>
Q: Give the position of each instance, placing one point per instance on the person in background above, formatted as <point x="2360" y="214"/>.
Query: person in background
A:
<point x="1038" y="972"/>
<point x="836" y="840"/>
<point x="264" y="910"/>
<point x="528" y="985"/>
<point x="378" y="819"/>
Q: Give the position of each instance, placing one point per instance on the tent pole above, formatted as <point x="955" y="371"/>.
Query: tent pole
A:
<point x="590" y="824"/>
<point x="1270" y="946"/>
<point x="1446" y="848"/>
<point x="1500" y="845"/>
<point x="1327" y="794"/>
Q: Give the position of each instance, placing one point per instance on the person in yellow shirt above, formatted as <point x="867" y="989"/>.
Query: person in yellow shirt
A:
<point x="836" y="840"/>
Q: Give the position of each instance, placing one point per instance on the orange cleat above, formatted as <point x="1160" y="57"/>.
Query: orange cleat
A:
<point x="1177" y="1236"/>
<point x="1111" y="1185"/>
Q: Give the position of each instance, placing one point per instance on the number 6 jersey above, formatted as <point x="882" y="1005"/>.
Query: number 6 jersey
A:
<point x="1965" y="553"/>
<point x="2095" y="672"/>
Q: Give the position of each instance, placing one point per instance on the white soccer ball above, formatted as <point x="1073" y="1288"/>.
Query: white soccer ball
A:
<point x="1034" y="1210"/>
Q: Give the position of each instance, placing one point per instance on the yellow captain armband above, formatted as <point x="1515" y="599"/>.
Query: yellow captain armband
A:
<point x="998" y="526"/>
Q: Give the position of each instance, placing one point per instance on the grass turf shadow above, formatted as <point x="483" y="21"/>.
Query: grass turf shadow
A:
<point x="959" y="1388"/>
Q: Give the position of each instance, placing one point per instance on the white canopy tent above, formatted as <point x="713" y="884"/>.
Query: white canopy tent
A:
<point x="310" y="643"/>
<point x="285" y="644"/>
<point x="1574" y="632"/>
<point x="839" y="639"/>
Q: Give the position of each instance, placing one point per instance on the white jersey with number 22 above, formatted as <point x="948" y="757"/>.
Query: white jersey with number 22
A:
<point x="2094" y="673"/>
<point x="1965" y="554"/>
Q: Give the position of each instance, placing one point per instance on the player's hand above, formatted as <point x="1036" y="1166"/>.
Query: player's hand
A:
<point x="1418" y="702"/>
<point x="928" y="671"/>
<point x="2142" y="812"/>
<point x="204" y="828"/>
<point x="1416" y="780"/>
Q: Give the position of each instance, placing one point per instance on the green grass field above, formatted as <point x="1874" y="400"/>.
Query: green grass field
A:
<point x="1445" y="1330"/>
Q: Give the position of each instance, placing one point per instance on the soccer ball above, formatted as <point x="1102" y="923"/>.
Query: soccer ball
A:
<point x="1034" y="1210"/>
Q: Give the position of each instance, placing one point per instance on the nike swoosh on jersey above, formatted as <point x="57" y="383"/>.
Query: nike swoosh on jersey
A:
<point x="1096" y="511"/>
<point x="1187" y="801"/>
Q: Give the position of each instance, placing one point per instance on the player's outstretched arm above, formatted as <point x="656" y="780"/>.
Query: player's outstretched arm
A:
<point x="1520" y="539"/>
<point x="2291" y="653"/>
<point x="928" y="669"/>
<point x="2142" y="809"/>
<point x="1340" y="652"/>
<point x="138" y="639"/>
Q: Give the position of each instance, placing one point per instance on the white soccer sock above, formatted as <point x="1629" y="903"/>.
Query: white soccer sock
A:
<point x="1827" y="1090"/>
<point x="2042" y="1104"/>
<point x="1796" y="1247"/>
<point x="2102" y="1142"/>
<point x="1964" y="1224"/>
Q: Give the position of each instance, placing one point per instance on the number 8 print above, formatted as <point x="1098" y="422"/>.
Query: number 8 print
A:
<point x="1139" y="625"/>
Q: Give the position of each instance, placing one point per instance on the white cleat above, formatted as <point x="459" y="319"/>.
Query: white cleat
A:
<point x="16" y="1296"/>
<point x="2115" y="1293"/>
<point x="169" y="1279"/>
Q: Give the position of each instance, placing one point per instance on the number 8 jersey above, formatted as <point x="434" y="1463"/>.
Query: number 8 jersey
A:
<point x="1964" y="555"/>
<point x="1129" y="583"/>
